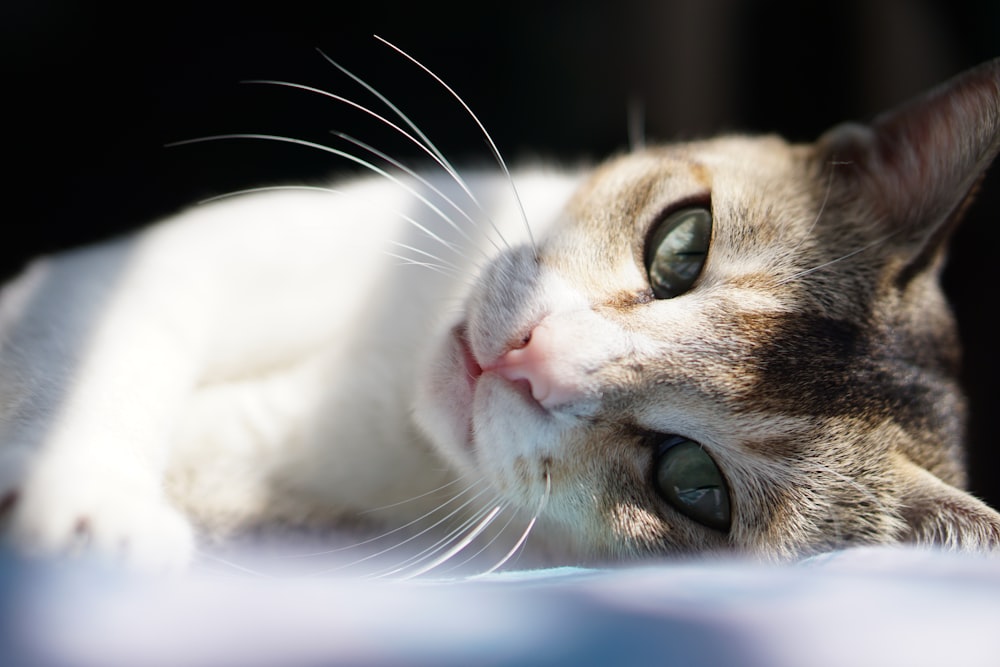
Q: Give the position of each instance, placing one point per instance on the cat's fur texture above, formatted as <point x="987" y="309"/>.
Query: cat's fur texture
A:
<point x="265" y="360"/>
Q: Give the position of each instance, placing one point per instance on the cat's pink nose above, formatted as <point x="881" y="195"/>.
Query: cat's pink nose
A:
<point x="537" y="362"/>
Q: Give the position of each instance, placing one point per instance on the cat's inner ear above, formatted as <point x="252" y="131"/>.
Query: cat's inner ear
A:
<point x="916" y="166"/>
<point x="937" y="513"/>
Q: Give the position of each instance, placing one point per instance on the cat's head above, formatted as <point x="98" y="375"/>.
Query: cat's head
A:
<point x="736" y="343"/>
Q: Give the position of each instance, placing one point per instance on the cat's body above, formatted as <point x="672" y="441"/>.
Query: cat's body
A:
<point x="266" y="360"/>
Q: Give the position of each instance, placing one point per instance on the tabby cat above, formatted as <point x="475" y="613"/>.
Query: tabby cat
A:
<point x="735" y="344"/>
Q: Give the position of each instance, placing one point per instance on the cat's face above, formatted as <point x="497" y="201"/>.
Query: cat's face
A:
<point x="629" y="372"/>
<point x="736" y="343"/>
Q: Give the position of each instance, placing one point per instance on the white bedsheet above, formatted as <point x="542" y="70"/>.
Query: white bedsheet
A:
<point x="874" y="606"/>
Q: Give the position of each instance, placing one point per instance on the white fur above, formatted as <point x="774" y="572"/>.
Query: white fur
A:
<point x="249" y="359"/>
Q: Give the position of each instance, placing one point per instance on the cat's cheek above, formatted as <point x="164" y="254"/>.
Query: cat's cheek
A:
<point x="444" y="403"/>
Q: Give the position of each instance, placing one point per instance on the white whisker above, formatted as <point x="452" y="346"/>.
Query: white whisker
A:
<point x="822" y="207"/>
<point x="447" y="244"/>
<point x="431" y="256"/>
<point x="405" y="541"/>
<point x="409" y="261"/>
<point x="482" y="129"/>
<point x="427" y="148"/>
<point x="527" y="530"/>
<point x="232" y="565"/>
<point x="317" y="188"/>
<point x="329" y="149"/>
<point x="462" y="544"/>
<point x="269" y="188"/>
<point x="421" y="496"/>
<point x="486" y="546"/>
<point x="442" y="160"/>
<point x="427" y="552"/>
<point x="392" y="531"/>
<point x="801" y="274"/>
<point x="423" y="181"/>
<point x="437" y="263"/>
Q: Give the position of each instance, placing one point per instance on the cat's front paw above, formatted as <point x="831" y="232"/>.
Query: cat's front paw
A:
<point x="106" y="511"/>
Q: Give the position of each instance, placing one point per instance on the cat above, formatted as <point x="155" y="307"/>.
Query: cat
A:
<point x="734" y="344"/>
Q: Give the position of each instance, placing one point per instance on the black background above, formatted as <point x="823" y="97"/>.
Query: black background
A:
<point x="93" y="92"/>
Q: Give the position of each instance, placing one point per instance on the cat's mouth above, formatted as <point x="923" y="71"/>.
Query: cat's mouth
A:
<point x="464" y="377"/>
<point x="472" y="368"/>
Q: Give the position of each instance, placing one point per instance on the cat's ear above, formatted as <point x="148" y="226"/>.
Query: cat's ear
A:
<point x="915" y="166"/>
<point x="938" y="513"/>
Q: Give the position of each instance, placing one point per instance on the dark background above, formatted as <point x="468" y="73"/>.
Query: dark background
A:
<point x="93" y="91"/>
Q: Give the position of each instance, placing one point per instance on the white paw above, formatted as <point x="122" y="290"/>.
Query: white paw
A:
<point x="93" y="509"/>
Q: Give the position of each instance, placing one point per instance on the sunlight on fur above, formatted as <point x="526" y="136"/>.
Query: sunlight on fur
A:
<point x="733" y="345"/>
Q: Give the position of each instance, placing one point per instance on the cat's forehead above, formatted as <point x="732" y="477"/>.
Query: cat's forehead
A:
<point x="761" y="183"/>
<point x="656" y="176"/>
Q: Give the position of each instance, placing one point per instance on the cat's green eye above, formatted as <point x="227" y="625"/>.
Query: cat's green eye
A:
<point x="687" y="478"/>
<point x="676" y="251"/>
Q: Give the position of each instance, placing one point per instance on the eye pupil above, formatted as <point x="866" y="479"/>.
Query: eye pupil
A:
<point x="688" y="479"/>
<point x="676" y="251"/>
